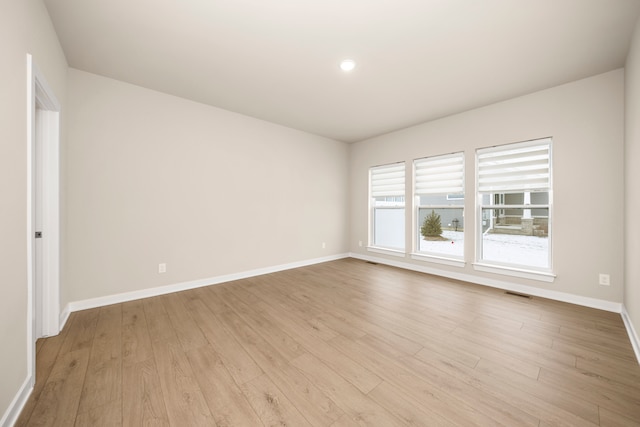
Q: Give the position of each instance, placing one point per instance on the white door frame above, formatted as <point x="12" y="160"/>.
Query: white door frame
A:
<point x="40" y="95"/>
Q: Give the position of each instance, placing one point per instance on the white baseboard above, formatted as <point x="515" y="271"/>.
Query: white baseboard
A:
<point x="64" y="316"/>
<point x="13" y="411"/>
<point x="633" y="335"/>
<point x="514" y="287"/>
<point x="162" y="290"/>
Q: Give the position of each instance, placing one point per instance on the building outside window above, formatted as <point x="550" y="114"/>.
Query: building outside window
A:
<point x="439" y="204"/>
<point x="387" y="206"/>
<point x="514" y="198"/>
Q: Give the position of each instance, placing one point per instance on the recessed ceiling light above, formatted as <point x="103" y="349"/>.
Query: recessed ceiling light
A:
<point x="348" y="65"/>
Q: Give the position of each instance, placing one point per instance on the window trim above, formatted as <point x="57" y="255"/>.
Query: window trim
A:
<point x="517" y="270"/>
<point x="427" y="257"/>
<point x="541" y="276"/>
<point x="437" y="257"/>
<point x="371" y="246"/>
<point x="386" y="251"/>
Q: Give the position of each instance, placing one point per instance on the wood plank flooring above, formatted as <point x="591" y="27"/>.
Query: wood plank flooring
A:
<point x="344" y="343"/>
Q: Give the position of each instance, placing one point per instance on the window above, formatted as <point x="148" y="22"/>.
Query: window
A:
<point x="439" y="200"/>
<point x="514" y="195"/>
<point x="387" y="206"/>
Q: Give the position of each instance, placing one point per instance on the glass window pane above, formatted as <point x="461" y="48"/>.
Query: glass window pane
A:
<point x="450" y="242"/>
<point x="388" y="227"/>
<point x="539" y="198"/>
<point x="444" y="199"/>
<point x="516" y="236"/>
<point x="388" y="201"/>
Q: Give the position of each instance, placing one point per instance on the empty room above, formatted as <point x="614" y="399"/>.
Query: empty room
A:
<point x="320" y="213"/>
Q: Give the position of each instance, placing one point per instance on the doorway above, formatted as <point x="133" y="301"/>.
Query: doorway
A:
<point x="43" y="210"/>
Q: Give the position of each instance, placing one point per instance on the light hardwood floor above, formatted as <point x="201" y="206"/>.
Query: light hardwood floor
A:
<point x="343" y="343"/>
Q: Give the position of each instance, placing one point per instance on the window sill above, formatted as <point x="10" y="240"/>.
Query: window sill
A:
<point x="439" y="260"/>
<point x="385" y="251"/>
<point x="540" y="276"/>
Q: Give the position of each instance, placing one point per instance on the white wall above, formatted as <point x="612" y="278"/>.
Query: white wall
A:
<point x="24" y="28"/>
<point x="586" y="120"/>
<point x="632" y="181"/>
<point x="155" y="178"/>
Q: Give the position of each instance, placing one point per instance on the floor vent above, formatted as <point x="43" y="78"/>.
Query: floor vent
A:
<point x="371" y="262"/>
<point x="515" y="294"/>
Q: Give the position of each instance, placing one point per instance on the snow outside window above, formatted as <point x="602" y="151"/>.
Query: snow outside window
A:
<point x="514" y="205"/>
<point x="386" y="195"/>
<point x="439" y="204"/>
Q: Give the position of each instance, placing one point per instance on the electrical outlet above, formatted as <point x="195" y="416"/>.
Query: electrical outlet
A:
<point x="324" y="245"/>
<point x="162" y="268"/>
<point x="605" y="280"/>
<point x="360" y="243"/>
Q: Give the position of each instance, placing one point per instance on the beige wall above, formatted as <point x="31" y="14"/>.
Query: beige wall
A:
<point x="24" y="28"/>
<point x="155" y="178"/>
<point x="632" y="181"/>
<point x="585" y="119"/>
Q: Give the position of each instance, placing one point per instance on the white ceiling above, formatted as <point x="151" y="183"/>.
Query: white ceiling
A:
<point x="278" y="60"/>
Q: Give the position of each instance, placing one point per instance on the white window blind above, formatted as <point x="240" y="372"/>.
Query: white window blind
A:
<point x="519" y="167"/>
<point x="440" y="175"/>
<point x="387" y="180"/>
